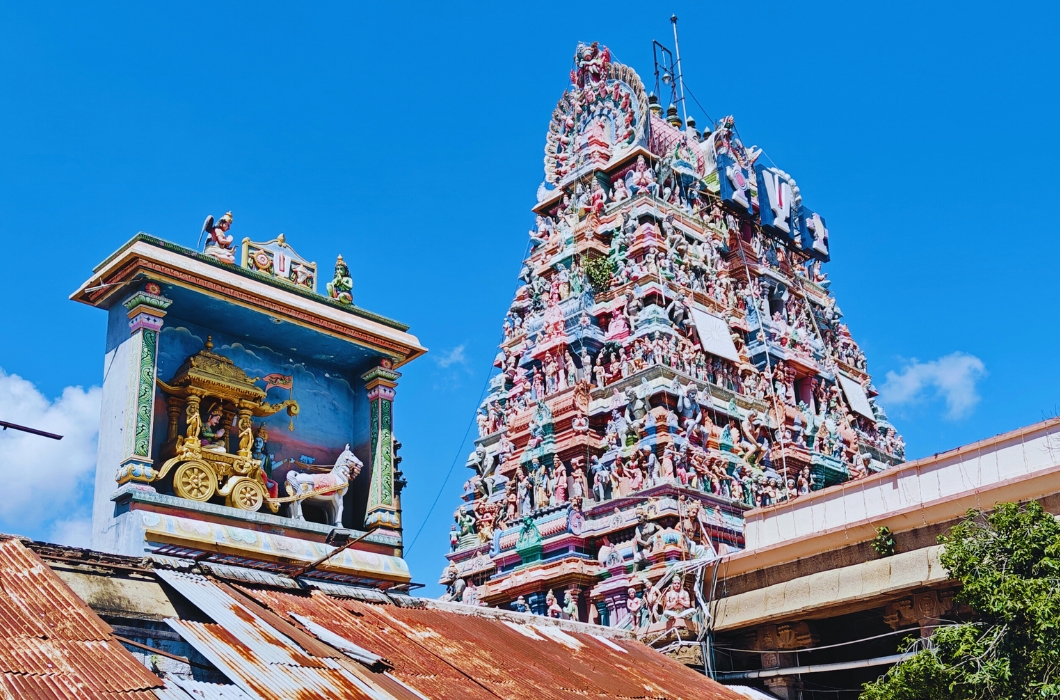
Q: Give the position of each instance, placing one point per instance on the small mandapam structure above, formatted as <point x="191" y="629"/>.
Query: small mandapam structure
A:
<point x="247" y="416"/>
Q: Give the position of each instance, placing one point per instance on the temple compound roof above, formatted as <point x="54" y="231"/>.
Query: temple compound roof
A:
<point x="84" y="624"/>
<point x="672" y="357"/>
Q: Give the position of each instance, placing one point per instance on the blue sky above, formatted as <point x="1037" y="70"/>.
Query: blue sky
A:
<point x="410" y="140"/>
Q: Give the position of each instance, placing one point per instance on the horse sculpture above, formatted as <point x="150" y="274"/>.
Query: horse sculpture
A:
<point x="334" y="485"/>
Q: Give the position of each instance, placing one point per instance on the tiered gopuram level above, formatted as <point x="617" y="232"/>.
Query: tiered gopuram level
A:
<point x="672" y="358"/>
<point x="240" y="407"/>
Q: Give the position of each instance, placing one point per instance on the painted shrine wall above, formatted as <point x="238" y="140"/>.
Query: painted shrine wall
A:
<point x="333" y="406"/>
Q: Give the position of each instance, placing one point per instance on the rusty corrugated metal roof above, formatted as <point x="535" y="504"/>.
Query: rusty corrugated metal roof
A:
<point x="256" y="656"/>
<point x="446" y="654"/>
<point x="52" y="645"/>
<point x="188" y="689"/>
<point x="416" y="667"/>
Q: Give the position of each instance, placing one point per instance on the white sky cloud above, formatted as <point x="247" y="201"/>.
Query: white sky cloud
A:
<point x="45" y="481"/>
<point x="453" y="357"/>
<point x="952" y="377"/>
<point x="75" y="532"/>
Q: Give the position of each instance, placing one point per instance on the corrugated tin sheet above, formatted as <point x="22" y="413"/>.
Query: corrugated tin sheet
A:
<point x="52" y="645"/>
<point x="368" y="595"/>
<point x="187" y="689"/>
<point x="241" y="573"/>
<point x="254" y="655"/>
<point x="445" y="654"/>
<point x="413" y="665"/>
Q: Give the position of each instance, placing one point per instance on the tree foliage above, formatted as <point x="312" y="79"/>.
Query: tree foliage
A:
<point x="1008" y="562"/>
<point x="599" y="271"/>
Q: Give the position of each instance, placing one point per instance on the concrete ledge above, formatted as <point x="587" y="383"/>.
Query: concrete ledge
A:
<point x="858" y="584"/>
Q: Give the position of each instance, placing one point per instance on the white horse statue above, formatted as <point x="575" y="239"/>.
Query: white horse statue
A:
<point x="347" y="467"/>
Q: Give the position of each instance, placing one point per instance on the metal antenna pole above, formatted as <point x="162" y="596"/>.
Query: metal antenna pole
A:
<point x="680" y="72"/>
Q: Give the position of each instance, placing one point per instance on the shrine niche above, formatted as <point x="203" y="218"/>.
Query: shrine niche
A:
<point x="216" y="443"/>
<point x="209" y="458"/>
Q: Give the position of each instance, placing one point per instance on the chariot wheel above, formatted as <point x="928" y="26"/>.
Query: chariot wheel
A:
<point x="194" y="481"/>
<point x="247" y="495"/>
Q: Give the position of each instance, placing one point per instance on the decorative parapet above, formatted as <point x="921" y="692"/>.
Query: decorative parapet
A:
<point x="278" y="260"/>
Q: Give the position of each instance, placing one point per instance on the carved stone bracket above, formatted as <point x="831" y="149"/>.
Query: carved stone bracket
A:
<point x="923" y="609"/>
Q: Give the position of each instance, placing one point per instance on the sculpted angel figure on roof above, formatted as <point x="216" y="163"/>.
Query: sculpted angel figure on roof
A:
<point x="218" y="242"/>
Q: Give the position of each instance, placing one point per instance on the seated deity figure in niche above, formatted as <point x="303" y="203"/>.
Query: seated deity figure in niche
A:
<point x="641" y="178"/>
<point x="218" y="242"/>
<point x="211" y="435"/>
<point x="341" y="287"/>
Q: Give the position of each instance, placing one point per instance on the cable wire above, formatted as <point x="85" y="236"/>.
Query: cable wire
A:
<point x="452" y="466"/>
<point x="829" y="646"/>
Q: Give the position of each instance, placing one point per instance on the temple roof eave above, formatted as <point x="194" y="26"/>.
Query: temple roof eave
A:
<point x="145" y="255"/>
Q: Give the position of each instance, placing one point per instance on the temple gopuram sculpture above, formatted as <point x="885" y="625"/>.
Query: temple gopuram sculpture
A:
<point x="246" y="417"/>
<point x="672" y="357"/>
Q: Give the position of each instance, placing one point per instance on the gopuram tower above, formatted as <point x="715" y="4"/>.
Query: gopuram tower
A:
<point x="672" y="358"/>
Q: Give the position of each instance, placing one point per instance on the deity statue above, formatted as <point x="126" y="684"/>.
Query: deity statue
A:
<point x="635" y="608"/>
<point x="570" y="606"/>
<point x="676" y="601"/>
<point x="641" y="178"/>
<point x="559" y="484"/>
<point x="520" y="605"/>
<point x="454" y="584"/>
<point x="218" y="242"/>
<point x="260" y="451"/>
<point x="341" y="287"/>
<point x="553" y="608"/>
<point x="211" y="435"/>
<point x="643" y="539"/>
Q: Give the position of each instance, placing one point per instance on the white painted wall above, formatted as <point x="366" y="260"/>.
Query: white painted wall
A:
<point x="1021" y="465"/>
<point x="120" y="364"/>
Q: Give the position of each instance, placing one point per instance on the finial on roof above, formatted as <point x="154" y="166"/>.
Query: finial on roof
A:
<point x="209" y="343"/>
<point x="671" y="115"/>
<point x="653" y="104"/>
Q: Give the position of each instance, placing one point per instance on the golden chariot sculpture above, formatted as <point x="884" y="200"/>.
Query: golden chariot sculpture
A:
<point x="203" y="460"/>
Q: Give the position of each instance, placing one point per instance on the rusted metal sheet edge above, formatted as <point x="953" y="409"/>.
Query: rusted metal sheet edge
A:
<point x="527" y="619"/>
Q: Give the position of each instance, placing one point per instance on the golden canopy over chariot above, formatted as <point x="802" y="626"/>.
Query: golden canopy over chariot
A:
<point x="205" y="461"/>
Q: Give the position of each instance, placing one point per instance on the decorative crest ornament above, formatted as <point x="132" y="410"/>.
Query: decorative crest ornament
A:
<point x="278" y="260"/>
<point x="600" y="116"/>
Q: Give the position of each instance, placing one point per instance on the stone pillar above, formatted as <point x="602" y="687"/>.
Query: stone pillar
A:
<point x="382" y="511"/>
<point x="146" y="309"/>
<point x="604" y="613"/>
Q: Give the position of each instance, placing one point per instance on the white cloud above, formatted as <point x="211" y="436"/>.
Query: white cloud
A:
<point x="74" y="532"/>
<point x="952" y="377"/>
<point x="453" y="357"/>
<point x="44" y="479"/>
